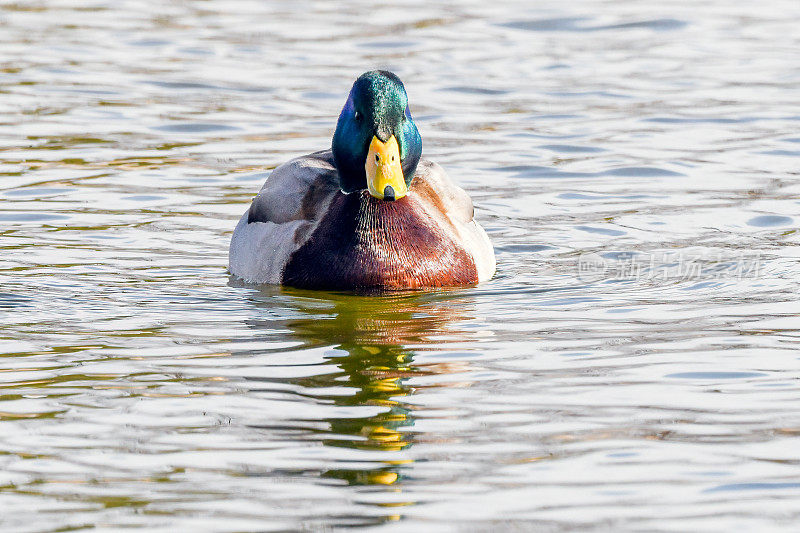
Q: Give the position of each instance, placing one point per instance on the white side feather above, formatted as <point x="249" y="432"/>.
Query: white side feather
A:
<point x="260" y="250"/>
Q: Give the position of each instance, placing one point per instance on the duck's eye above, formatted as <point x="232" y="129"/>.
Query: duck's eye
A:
<point x="377" y="158"/>
<point x="392" y="158"/>
<point x="357" y="116"/>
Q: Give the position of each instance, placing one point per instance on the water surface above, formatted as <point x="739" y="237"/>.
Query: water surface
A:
<point x="633" y="365"/>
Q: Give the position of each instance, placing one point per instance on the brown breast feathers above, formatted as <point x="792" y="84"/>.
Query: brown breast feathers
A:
<point x="365" y="243"/>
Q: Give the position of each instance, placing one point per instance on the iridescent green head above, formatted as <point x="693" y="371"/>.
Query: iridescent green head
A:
<point x="376" y="145"/>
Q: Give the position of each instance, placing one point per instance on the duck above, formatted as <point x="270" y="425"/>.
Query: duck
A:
<point x="367" y="214"/>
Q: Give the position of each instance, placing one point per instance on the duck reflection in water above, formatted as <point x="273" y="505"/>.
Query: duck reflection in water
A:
<point x="374" y="341"/>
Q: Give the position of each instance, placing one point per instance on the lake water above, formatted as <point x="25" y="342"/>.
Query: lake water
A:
<point x="633" y="365"/>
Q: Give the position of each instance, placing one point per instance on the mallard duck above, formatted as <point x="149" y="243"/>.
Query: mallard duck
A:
<point x="367" y="214"/>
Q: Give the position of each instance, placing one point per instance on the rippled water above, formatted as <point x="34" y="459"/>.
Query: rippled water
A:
<point x="633" y="365"/>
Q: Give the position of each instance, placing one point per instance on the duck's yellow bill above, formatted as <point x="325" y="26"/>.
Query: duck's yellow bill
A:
<point x="385" y="179"/>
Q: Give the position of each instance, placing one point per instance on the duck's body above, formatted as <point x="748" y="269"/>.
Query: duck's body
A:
<point x="409" y="226"/>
